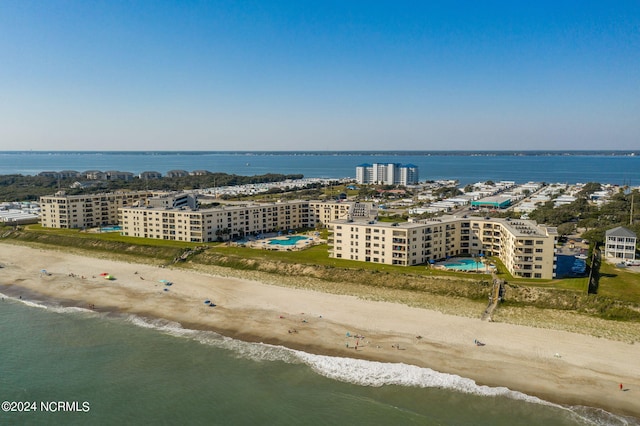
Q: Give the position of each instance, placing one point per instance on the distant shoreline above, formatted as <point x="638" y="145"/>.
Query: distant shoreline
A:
<point x="618" y="167"/>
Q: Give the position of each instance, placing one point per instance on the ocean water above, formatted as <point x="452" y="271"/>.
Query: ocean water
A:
<point x="120" y="369"/>
<point x="621" y="168"/>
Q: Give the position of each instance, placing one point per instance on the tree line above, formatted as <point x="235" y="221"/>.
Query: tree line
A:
<point x="31" y="188"/>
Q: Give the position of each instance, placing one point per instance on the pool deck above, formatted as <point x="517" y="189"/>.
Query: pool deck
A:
<point x="486" y="268"/>
<point x="264" y="243"/>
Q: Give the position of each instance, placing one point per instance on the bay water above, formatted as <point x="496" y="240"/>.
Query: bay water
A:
<point x="619" y="168"/>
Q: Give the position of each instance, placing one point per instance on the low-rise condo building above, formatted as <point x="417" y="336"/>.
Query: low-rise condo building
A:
<point x="526" y="249"/>
<point x="87" y="210"/>
<point x="206" y="225"/>
<point x="92" y="210"/>
<point x="233" y="221"/>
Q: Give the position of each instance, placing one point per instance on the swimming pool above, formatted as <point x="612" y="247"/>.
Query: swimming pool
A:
<point x="464" y="265"/>
<point x="110" y="229"/>
<point x="288" y="241"/>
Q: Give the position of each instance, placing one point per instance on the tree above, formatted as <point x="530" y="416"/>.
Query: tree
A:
<point x="566" y="228"/>
<point x="589" y="188"/>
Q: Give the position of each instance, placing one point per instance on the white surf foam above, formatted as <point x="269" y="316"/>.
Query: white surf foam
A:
<point x="241" y="349"/>
<point x="373" y="373"/>
<point x="48" y="306"/>
<point x="29" y="303"/>
<point x="363" y="372"/>
<point x="71" y="310"/>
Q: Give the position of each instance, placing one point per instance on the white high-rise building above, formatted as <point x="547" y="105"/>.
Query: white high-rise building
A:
<point x="387" y="174"/>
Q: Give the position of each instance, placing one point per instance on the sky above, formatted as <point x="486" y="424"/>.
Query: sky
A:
<point x="319" y="75"/>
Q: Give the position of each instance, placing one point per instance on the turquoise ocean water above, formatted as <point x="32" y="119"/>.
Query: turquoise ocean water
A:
<point x="131" y="370"/>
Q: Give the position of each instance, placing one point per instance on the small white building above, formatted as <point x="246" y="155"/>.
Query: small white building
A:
<point x="620" y="243"/>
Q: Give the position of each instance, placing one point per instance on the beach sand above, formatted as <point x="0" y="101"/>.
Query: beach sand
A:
<point x="557" y="366"/>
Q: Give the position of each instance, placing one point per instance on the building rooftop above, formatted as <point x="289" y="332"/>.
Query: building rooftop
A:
<point x="620" y="231"/>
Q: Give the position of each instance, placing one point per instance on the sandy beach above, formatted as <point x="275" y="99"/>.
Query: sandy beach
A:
<point x="557" y="366"/>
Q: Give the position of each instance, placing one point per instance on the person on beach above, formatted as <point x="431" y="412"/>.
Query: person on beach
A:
<point x="621" y="387"/>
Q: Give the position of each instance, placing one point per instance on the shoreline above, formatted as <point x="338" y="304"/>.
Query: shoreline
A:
<point x="557" y="366"/>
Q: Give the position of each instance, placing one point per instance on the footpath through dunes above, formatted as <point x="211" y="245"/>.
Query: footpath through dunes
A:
<point x="494" y="298"/>
<point x="518" y="357"/>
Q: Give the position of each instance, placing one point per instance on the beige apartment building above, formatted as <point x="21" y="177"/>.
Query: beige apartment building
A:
<point x="232" y="221"/>
<point x="88" y="210"/>
<point x="526" y="249"/>
<point x="327" y="211"/>
<point x="92" y="210"/>
<point x="185" y="224"/>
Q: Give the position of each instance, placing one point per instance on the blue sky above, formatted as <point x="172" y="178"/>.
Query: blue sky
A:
<point x="319" y="75"/>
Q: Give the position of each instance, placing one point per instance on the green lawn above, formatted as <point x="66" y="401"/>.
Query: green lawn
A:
<point x="111" y="236"/>
<point x="619" y="283"/>
<point x="317" y="255"/>
<point x="616" y="283"/>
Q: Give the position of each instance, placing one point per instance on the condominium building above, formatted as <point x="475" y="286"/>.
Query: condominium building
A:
<point x="174" y="200"/>
<point x="526" y="249"/>
<point x="206" y="225"/>
<point x="324" y="212"/>
<point x="233" y="221"/>
<point x="387" y="174"/>
<point x="87" y="210"/>
<point x="620" y="243"/>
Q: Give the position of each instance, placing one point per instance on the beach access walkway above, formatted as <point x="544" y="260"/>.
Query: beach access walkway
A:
<point x="495" y="297"/>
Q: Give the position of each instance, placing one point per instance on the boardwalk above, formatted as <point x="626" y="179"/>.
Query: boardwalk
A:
<point x="493" y="299"/>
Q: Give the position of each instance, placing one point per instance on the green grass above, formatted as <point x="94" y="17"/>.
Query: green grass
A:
<point x="615" y="283"/>
<point x="619" y="283"/>
<point x="110" y="236"/>
<point x="110" y="244"/>
<point x="317" y="255"/>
